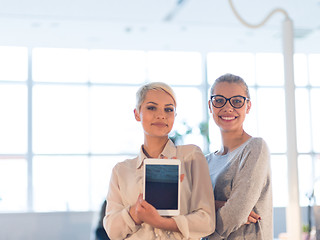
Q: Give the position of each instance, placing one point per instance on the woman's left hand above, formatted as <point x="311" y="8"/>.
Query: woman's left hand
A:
<point x="253" y="218"/>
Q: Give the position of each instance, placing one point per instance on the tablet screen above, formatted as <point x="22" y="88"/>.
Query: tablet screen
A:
<point x="161" y="185"/>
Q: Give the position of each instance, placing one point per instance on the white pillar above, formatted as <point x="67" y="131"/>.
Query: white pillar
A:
<point x="293" y="218"/>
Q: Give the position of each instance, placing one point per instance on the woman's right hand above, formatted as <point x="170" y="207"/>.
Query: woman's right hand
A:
<point x="134" y="210"/>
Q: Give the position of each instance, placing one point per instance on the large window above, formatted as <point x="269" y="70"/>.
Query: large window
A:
<point x="67" y="117"/>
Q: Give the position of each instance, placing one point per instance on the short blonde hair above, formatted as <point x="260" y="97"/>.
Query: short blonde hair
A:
<point x="144" y="89"/>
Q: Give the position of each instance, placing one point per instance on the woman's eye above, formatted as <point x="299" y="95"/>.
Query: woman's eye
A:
<point x="169" y="109"/>
<point x="237" y="101"/>
<point x="151" y="108"/>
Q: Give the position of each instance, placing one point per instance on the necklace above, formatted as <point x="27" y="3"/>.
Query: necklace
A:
<point x="145" y="152"/>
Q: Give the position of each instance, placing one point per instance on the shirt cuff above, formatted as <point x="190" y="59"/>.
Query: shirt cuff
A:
<point x="182" y="224"/>
<point x="128" y="220"/>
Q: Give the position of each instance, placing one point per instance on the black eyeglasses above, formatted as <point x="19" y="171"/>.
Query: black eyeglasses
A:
<point x="219" y="101"/>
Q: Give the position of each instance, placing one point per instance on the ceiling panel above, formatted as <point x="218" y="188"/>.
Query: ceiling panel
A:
<point x="201" y="25"/>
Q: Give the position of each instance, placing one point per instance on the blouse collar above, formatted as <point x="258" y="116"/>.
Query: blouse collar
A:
<point x="169" y="151"/>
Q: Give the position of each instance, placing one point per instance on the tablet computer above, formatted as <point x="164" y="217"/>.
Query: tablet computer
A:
<point x="161" y="185"/>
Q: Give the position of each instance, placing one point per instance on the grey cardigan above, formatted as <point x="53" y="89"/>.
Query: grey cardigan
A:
<point x="243" y="179"/>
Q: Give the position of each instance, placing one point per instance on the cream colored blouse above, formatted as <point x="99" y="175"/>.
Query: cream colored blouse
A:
<point x="197" y="217"/>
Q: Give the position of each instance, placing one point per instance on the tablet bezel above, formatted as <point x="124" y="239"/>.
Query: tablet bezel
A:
<point x="157" y="161"/>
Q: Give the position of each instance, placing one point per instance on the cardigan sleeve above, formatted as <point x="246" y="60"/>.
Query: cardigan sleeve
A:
<point x="247" y="186"/>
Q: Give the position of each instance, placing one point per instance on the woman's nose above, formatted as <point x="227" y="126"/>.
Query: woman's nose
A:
<point x="160" y="114"/>
<point x="228" y="106"/>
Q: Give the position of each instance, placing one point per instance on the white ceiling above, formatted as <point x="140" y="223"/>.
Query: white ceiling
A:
<point x="200" y="25"/>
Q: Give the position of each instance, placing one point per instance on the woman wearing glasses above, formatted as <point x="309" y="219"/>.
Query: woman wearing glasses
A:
<point x="240" y="170"/>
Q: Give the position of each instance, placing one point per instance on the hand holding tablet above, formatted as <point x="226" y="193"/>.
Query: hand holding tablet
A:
<point x="161" y="185"/>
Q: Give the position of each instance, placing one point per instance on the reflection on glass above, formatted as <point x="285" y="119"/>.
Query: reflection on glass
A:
<point x="272" y="118"/>
<point x="13" y="185"/>
<point x="61" y="183"/>
<point x="269" y="68"/>
<point x="303" y="120"/>
<point x="175" y="67"/>
<point x="100" y="173"/>
<point x="14" y="63"/>
<point x="279" y="180"/>
<point x="60" y="119"/>
<point x="13" y="119"/>
<point x="60" y="65"/>
<point x="300" y="70"/>
<point x="113" y="127"/>
<point x="315" y="118"/>
<point x="241" y="64"/>
<point x="314" y="70"/>
<point x="115" y="66"/>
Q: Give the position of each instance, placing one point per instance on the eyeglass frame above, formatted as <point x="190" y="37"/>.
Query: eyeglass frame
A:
<point x="228" y="99"/>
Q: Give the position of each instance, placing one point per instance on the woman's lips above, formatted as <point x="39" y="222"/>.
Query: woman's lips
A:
<point x="159" y="124"/>
<point x="228" y="118"/>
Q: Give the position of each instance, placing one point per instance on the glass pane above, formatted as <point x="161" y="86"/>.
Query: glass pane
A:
<point x="300" y="69"/>
<point x="316" y="183"/>
<point x="272" y="118"/>
<point x="60" y="119"/>
<point x="111" y="66"/>
<point x="251" y="123"/>
<point x="100" y="172"/>
<point x="314" y="70"/>
<point x="214" y="134"/>
<point x="175" y="67"/>
<point x="189" y="115"/>
<point x="13" y="63"/>
<point x="279" y="171"/>
<point x="315" y="118"/>
<point x="241" y="64"/>
<point x="61" y="183"/>
<point x="13" y="119"/>
<point x="270" y="69"/>
<point x="305" y="178"/>
<point x="60" y="65"/>
<point x="112" y="124"/>
<point x="13" y="184"/>
<point x="303" y="120"/>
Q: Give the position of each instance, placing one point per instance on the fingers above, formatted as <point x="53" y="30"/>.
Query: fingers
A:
<point x="164" y="157"/>
<point x="253" y="218"/>
<point x="254" y="215"/>
<point x="181" y="177"/>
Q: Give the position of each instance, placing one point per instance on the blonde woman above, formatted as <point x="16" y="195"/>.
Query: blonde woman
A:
<point x="240" y="170"/>
<point x="128" y="216"/>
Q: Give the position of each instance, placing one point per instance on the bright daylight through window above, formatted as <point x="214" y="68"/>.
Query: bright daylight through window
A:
<point x="59" y="124"/>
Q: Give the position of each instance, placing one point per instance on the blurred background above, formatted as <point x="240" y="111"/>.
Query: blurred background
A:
<point x="69" y="71"/>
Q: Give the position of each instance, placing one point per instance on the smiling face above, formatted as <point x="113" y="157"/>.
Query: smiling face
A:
<point x="229" y="118"/>
<point x="156" y="113"/>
